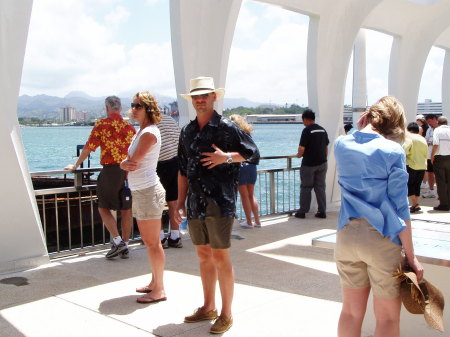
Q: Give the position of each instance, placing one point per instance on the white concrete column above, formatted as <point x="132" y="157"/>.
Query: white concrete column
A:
<point x="410" y="51"/>
<point x="22" y="242"/>
<point x="202" y="32"/>
<point x="446" y="85"/>
<point x="330" y="43"/>
<point x="359" y="94"/>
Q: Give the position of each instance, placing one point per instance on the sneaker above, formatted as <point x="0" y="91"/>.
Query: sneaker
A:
<point x="246" y="225"/>
<point x="221" y="325"/>
<point x="116" y="250"/>
<point x="321" y="215"/>
<point x="424" y="186"/>
<point x="175" y="243"/>
<point x="442" y="208"/>
<point x="429" y="194"/>
<point x="201" y="315"/>
<point x="256" y="225"/>
<point x="165" y="243"/>
<point x="125" y="254"/>
<point x="300" y="215"/>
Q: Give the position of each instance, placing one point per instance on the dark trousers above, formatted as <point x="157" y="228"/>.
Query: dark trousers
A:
<point x="441" y="168"/>
<point x="313" y="177"/>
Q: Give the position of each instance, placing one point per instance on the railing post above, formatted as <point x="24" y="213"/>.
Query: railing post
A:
<point x="289" y="163"/>
<point x="272" y="192"/>
<point x="78" y="180"/>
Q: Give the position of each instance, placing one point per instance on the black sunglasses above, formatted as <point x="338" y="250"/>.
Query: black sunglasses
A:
<point x="136" y="105"/>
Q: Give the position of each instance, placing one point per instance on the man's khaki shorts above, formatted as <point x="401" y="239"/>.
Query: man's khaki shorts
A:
<point x="365" y="258"/>
<point x="214" y="230"/>
<point x="149" y="202"/>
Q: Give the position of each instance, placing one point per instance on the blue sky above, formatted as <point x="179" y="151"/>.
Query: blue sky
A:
<point x="107" y="47"/>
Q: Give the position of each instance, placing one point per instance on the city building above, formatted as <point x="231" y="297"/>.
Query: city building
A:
<point x="429" y="107"/>
<point x="67" y="114"/>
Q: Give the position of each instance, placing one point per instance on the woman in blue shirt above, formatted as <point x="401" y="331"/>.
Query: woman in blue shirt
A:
<point x="374" y="220"/>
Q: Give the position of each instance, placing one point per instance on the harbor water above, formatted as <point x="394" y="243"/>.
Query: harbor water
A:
<point x="52" y="148"/>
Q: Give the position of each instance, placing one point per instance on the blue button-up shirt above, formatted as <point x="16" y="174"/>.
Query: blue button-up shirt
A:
<point x="373" y="180"/>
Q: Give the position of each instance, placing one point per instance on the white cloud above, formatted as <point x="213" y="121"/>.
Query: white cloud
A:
<point x="152" y="2"/>
<point x="117" y="16"/>
<point x="72" y="48"/>
<point x="432" y="76"/>
<point x="73" y="45"/>
<point x="275" y="71"/>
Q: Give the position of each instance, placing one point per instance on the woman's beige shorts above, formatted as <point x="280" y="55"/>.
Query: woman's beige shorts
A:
<point x="149" y="202"/>
<point x="365" y="258"/>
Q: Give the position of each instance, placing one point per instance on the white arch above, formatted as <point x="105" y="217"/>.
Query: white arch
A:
<point x="23" y="243"/>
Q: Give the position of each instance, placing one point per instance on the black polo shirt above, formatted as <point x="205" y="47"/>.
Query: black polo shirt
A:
<point x="314" y="139"/>
<point x="219" y="183"/>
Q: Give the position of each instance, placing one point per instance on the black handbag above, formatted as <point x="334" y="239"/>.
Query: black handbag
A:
<point x="125" y="197"/>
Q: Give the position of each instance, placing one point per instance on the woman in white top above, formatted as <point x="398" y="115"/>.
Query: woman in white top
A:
<point x="147" y="192"/>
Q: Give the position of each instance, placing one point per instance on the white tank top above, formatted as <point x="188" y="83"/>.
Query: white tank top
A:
<point x="145" y="175"/>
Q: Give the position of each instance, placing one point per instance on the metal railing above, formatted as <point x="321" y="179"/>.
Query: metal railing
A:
<point x="72" y="225"/>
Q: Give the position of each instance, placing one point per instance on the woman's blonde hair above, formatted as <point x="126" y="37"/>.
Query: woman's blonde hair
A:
<point x="151" y="106"/>
<point x="242" y="123"/>
<point x="387" y="117"/>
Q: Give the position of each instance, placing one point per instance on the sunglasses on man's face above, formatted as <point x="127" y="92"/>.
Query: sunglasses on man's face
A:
<point x="200" y="96"/>
<point x="136" y="106"/>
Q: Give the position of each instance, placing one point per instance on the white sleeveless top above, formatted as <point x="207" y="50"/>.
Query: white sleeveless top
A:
<point x="145" y="175"/>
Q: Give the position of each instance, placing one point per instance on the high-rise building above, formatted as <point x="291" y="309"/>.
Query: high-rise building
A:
<point x="67" y="114"/>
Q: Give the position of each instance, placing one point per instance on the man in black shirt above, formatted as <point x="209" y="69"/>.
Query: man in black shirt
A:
<point x="209" y="152"/>
<point x="313" y="148"/>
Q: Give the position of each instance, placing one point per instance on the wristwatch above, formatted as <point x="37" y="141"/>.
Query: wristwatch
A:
<point x="229" y="158"/>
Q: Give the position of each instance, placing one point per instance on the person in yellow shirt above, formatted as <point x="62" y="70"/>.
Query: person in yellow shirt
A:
<point x="416" y="150"/>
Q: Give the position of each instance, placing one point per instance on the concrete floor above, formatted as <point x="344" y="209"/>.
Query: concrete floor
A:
<point x="284" y="287"/>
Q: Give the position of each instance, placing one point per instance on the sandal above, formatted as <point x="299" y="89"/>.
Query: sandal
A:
<point x="143" y="290"/>
<point x="147" y="299"/>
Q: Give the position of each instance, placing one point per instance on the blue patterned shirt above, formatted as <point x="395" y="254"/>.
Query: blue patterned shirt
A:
<point x="219" y="183"/>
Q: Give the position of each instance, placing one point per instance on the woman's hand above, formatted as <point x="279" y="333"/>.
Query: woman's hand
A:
<point x="128" y="165"/>
<point x="416" y="267"/>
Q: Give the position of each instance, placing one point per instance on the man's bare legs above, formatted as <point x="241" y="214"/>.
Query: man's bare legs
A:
<point x="111" y="223"/>
<point x="125" y="222"/>
<point x="109" y="220"/>
<point x="215" y="264"/>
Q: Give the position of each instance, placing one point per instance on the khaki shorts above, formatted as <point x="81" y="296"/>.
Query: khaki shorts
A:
<point x="365" y="258"/>
<point x="149" y="202"/>
<point x="214" y="230"/>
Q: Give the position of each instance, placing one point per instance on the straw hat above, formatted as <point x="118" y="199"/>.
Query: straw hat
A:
<point x="422" y="298"/>
<point x="203" y="85"/>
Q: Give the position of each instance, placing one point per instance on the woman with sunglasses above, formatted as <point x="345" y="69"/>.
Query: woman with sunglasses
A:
<point x="374" y="221"/>
<point x="147" y="192"/>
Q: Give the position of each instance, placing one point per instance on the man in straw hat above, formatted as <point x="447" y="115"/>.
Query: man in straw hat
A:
<point x="209" y="151"/>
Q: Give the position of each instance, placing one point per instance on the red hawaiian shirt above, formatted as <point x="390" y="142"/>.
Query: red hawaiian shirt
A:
<point x="113" y="135"/>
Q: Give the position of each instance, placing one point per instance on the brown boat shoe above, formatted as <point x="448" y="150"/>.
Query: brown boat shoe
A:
<point x="201" y="315"/>
<point x="221" y="325"/>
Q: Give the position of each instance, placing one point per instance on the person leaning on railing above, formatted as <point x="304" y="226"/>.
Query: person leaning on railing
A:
<point x="374" y="220"/>
<point x="113" y="135"/>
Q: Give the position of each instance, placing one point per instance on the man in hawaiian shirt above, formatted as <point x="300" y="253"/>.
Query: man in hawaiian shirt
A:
<point x="113" y="135"/>
<point x="209" y="151"/>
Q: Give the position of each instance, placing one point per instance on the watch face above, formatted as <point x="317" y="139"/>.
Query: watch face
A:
<point x="229" y="160"/>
